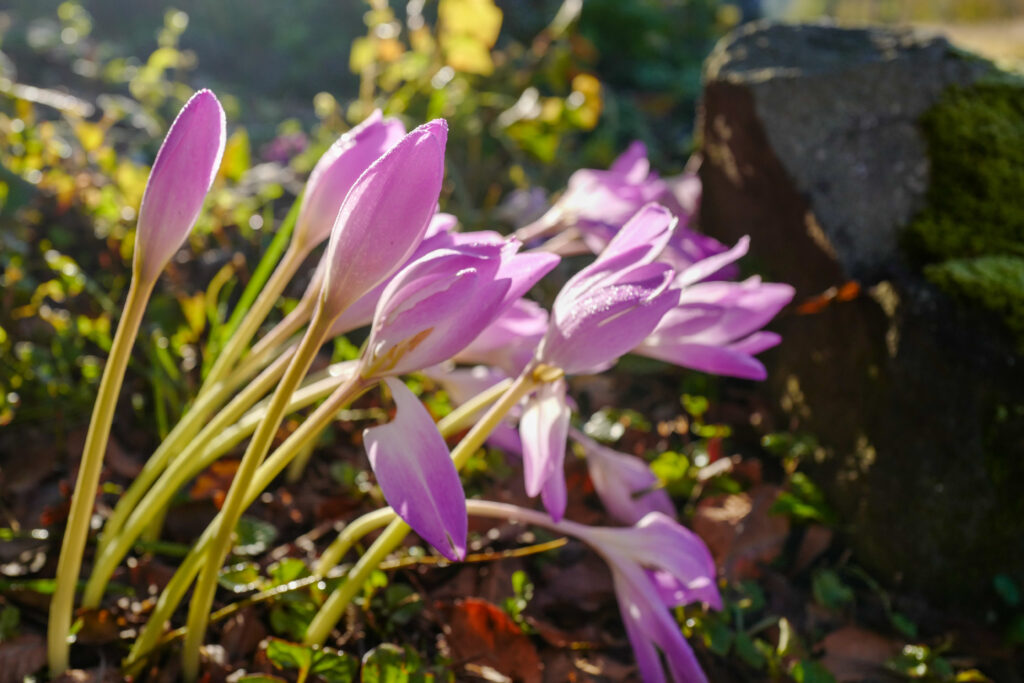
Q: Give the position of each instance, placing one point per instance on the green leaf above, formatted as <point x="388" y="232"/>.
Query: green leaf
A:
<point x="807" y="671"/>
<point x="388" y="663"/>
<point x="241" y="578"/>
<point x="253" y="536"/>
<point x="748" y="652"/>
<point x="829" y="590"/>
<point x="1007" y="589"/>
<point x="262" y="678"/>
<point x="285" y="655"/>
<point x="334" y="666"/>
<point x="287" y="570"/>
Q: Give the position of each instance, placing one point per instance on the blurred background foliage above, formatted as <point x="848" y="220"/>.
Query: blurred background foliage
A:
<point x="532" y="89"/>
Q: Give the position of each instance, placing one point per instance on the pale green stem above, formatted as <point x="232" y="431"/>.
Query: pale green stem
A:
<point x="265" y="474"/>
<point x="176" y="442"/>
<point x="333" y="609"/>
<point x="298" y="465"/>
<point x="268" y="297"/>
<point x="206" y="585"/>
<point x="84" y="496"/>
<point x="216" y="438"/>
<point x="352" y="532"/>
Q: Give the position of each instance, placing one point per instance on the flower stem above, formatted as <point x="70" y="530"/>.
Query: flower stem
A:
<point x="213" y="441"/>
<point x="265" y="474"/>
<point x="77" y="529"/>
<point x="333" y="609"/>
<point x="352" y="532"/>
<point x="191" y="422"/>
<point x="206" y="585"/>
<point x="247" y="329"/>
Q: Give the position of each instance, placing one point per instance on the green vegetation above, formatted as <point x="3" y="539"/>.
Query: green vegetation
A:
<point x="973" y="226"/>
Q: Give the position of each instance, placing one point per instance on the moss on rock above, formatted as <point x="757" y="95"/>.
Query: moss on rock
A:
<point x="973" y="226"/>
<point x="995" y="282"/>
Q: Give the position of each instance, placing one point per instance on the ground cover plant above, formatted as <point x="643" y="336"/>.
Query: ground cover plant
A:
<point x="401" y="448"/>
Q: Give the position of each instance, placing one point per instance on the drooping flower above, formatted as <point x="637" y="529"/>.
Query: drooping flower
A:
<point x="600" y="202"/>
<point x="416" y="473"/>
<point x="384" y="216"/>
<point x="182" y="174"/>
<point x="336" y="172"/>
<point x="624" y="483"/>
<point x="716" y="327"/>
<point x="656" y="564"/>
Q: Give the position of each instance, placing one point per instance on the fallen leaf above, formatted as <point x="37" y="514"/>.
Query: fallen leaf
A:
<point x="481" y="633"/>
<point x="740" y="531"/>
<point x="21" y="657"/>
<point x="856" y="654"/>
<point x="817" y="539"/>
<point x="213" y="482"/>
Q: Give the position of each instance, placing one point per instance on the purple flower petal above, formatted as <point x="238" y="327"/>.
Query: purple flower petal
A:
<point x="716" y="360"/>
<point x="336" y="172"/>
<point x="711" y="265"/>
<point x="181" y="176"/>
<point x="624" y="483"/>
<point x="417" y="476"/>
<point x="384" y="216"/>
<point x="544" y="428"/>
<point x="590" y="332"/>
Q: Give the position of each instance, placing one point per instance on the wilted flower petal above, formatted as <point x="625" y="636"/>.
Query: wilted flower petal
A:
<point x="624" y="483"/>
<point x="543" y="429"/>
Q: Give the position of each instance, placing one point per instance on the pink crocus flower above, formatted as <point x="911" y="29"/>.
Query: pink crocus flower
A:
<point x="716" y="327"/>
<point x="181" y="176"/>
<point x="433" y="308"/>
<point x="336" y="172"/>
<point x="656" y="564"/>
<point x="384" y="217"/>
<point x="602" y="312"/>
<point x="625" y="483"/>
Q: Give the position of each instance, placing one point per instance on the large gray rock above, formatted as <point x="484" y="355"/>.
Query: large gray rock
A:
<point x="811" y="145"/>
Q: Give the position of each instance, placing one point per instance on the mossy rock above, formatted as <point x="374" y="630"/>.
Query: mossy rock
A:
<point x="995" y="282"/>
<point x="974" y="221"/>
<point x="976" y="197"/>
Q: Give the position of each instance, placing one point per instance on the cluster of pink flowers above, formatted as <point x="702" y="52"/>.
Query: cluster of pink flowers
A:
<point x="452" y="304"/>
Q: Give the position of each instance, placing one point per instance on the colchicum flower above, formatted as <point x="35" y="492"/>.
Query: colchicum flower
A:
<point x="384" y="217"/>
<point x="716" y="327"/>
<point x="433" y="308"/>
<point x="656" y="564"/>
<point x="602" y="312"/>
<point x="336" y="172"/>
<point x="181" y="176"/>
<point x="624" y="483"/>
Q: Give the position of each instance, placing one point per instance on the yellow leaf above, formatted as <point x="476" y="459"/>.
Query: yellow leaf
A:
<point x="90" y="135"/>
<point x="361" y="55"/>
<point x="236" y="155"/>
<point x="479" y="19"/>
<point x="468" y="55"/>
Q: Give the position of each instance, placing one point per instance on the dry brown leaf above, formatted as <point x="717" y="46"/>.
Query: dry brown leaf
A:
<point x="21" y="657"/>
<point x="856" y="654"/>
<point x="740" y="530"/>
<point x="482" y="634"/>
